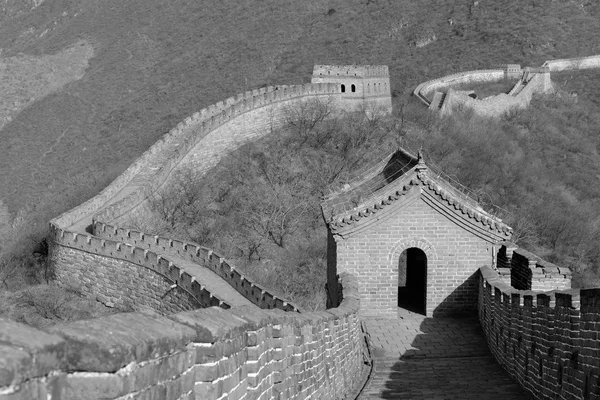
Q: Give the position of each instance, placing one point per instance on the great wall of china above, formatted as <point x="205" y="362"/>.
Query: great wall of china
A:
<point x="254" y="344"/>
<point x="529" y="81"/>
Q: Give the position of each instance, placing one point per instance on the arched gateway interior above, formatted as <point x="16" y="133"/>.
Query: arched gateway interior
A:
<point x="412" y="280"/>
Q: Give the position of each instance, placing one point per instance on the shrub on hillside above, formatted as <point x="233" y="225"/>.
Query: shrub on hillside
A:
<point x="260" y="206"/>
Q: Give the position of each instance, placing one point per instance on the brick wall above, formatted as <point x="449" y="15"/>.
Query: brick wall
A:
<point x="529" y="272"/>
<point x="453" y="257"/>
<point x="198" y="142"/>
<point x="519" y="97"/>
<point x="206" y="137"/>
<point x="573" y="63"/>
<point x="425" y="90"/>
<point x="168" y="247"/>
<point x="137" y="287"/>
<point x="122" y="275"/>
<point x="548" y="342"/>
<point x="207" y="354"/>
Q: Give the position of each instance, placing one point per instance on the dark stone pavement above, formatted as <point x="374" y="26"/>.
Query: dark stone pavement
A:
<point x="434" y="358"/>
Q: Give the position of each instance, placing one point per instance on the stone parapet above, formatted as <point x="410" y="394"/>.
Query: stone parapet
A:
<point x="573" y="63"/>
<point x="351" y="70"/>
<point x="530" y="272"/>
<point x="98" y="248"/>
<point x="533" y="80"/>
<point x="240" y="353"/>
<point x="549" y="342"/>
<point x="202" y="256"/>
<point x="155" y="165"/>
<point x="425" y="89"/>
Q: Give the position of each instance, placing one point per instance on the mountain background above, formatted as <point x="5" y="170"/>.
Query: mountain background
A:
<point x="88" y="86"/>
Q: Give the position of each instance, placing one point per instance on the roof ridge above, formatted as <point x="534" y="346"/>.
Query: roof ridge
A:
<point x="421" y="178"/>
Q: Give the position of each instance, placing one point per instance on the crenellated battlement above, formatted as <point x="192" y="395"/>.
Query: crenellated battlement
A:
<point x="531" y="80"/>
<point x="208" y="354"/>
<point x="547" y="341"/>
<point x="188" y="339"/>
<point x="363" y="71"/>
<point x="202" y="256"/>
<point x="528" y="271"/>
<point x="126" y="268"/>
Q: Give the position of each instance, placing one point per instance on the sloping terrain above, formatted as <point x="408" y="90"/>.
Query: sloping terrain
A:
<point x="155" y="62"/>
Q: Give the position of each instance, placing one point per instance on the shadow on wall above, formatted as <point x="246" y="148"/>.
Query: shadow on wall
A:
<point x="462" y="301"/>
<point x="448" y="358"/>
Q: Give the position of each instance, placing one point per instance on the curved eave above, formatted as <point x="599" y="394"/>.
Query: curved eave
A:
<point x="328" y="205"/>
<point x="381" y="211"/>
<point x="434" y="195"/>
<point x="466" y="218"/>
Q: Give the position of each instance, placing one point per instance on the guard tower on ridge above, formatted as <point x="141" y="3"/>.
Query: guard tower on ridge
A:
<point x="364" y="87"/>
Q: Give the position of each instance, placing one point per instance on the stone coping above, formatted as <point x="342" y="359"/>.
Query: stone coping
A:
<point x="121" y="343"/>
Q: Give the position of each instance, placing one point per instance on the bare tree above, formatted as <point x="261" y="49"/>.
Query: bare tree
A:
<point x="303" y="116"/>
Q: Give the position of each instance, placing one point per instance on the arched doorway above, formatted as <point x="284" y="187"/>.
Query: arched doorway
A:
<point x="412" y="280"/>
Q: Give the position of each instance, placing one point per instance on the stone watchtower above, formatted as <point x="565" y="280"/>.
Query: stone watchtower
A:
<point x="410" y="237"/>
<point x="364" y="87"/>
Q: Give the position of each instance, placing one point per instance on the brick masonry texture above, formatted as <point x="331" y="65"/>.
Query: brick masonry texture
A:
<point x="547" y="341"/>
<point x="205" y="354"/>
<point x="415" y="210"/>
<point x="200" y="255"/>
<point x="137" y="287"/>
<point x="94" y="260"/>
<point x="453" y="257"/>
<point x="184" y="341"/>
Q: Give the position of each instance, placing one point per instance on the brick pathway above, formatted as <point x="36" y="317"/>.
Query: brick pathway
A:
<point x="212" y="282"/>
<point x="427" y="358"/>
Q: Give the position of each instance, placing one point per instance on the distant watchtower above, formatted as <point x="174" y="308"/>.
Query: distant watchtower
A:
<point x="364" y="87"/>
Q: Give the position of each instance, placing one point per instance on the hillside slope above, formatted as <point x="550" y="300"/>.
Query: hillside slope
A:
<point x="155" y="63"/>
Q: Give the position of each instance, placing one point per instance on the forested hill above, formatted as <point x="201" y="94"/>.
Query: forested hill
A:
<point x="150" y="63"/>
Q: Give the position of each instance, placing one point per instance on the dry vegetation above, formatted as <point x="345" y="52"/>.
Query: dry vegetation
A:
<point x="260" y="205"/>
<point x="156" y="62"/>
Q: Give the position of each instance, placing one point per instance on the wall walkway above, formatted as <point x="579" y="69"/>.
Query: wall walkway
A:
<point x="241" y="353"/>
<point x="519" y="96"/>
<point x="98" y="263"/>
<point x="174" y="350"/>
<point x="434" y="358"/>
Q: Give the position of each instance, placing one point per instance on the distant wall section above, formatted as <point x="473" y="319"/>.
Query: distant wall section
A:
<point x="425" y="91"/>
<point x="573" y="63"/>
<point x="199" y="142"/>
<point x="532" y="81"/>
<point x="98" y="264"/>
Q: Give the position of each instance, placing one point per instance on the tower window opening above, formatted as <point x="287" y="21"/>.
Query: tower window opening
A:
<point x="353" y="88"/>
<point x="343" y="88"/>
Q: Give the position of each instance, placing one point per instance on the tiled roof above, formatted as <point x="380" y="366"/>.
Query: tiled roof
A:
<point x="368" y="181"/>
<point x="340" y="216"/>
